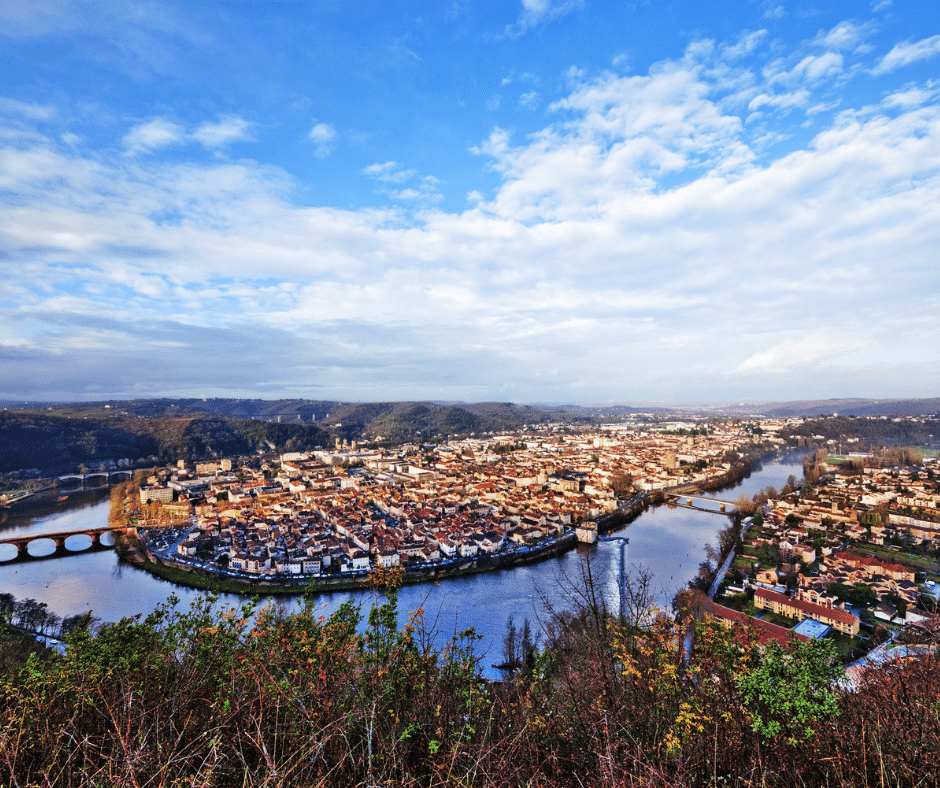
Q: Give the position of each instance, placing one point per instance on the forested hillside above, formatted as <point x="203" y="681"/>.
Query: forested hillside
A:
<point x="57" y="438"/>
<point x="852" y="407"/>
<point x="867" y="431"/>
<point x="58" y="444"/>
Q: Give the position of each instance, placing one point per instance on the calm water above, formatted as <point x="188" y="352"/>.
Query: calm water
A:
<point x="773" y="474"/>
<point x="667" y="542"/>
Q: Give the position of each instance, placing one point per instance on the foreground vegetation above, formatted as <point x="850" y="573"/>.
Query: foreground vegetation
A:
<point x="219" y="697"/>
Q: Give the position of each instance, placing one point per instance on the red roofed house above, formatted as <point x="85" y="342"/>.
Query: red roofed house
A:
<point x="796" y="608"/>
<point x="875" y="567"/>
<point x="766" y="632"/>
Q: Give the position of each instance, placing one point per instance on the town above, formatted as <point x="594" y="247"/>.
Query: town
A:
<point x="346" y="510"/>
<point x="853" y="543"/>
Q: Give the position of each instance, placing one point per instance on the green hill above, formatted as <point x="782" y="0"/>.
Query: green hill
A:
<point x="59" y="443"/>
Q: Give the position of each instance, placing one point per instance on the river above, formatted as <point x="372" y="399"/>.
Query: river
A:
<point x="668" y="542"/>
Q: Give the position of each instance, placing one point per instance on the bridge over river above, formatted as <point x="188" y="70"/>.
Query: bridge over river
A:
<point x="108" y="476"/>
<point x="689" y="501"/>
<point x="23" y="541"/>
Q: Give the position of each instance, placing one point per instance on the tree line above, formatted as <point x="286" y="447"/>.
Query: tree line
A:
<point x="35" y="617"/>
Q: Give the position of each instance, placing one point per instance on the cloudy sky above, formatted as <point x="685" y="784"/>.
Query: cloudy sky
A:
<point x="545" y="201"/>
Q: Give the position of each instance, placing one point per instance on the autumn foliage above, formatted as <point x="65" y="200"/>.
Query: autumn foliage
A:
<point x="247" y="697"/>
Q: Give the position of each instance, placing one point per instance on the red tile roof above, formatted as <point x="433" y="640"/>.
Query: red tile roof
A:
<point x="766" y="632"/>
<point x="809" y="608"/>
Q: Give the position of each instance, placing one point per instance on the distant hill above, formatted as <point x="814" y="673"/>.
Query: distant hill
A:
<point x="57" y="437"/>
<point x="56" y="443"/>
<point x="408" y="421"/>
<point x="851" y="407"/>
<point x="504" y="414"/>
<point x="865" y="431"/>
<point x="267" y="410"/>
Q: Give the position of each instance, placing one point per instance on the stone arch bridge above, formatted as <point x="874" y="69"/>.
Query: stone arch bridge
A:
<point x="22" y="541"/>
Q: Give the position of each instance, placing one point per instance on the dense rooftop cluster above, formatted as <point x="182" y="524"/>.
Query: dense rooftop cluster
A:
<point x="347" y="510"/>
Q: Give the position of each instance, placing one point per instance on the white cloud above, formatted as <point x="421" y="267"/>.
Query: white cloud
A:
<point x="529" y="100"/>
<point x="908" y="52"/>
<point x="27" y="109"/>
<point x="324" y="137"/>
<point x="153" y="135"/>
<point x="227" y="129"/>
<point x="539" y="12"/>
<point x="746" y="44"/>
<point x="425" y="190"/>
<point x="389" y="172"/>
<point x="811" y="69"/>
<point x="416" y="195"/>
<point x="27" y="19"/>
<point x="163" y="132"/>
<point x="802" y="351"/>
<point x="639" y="219"/>
<point x="913" y="96"/>
<point x="774" y="11"/>
<point x="798" y="98"/>
<point x="845" y="36"/>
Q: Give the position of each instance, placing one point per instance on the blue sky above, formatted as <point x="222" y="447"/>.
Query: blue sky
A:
<point x="545" y="201"/>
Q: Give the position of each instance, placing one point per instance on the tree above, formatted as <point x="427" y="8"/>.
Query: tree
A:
<point x="621" y="483"/>
<point x="519" y="648"/>
<point x="703" y="578"/>
<point x="745" y="505"/>
<point x="791" y="690"/>
<point x="856" y="594"/>
<point x="897" y="602"/>
<point x="768" y="554"/>
<point x="689" y="605"/>
<point x="768" y="493"/>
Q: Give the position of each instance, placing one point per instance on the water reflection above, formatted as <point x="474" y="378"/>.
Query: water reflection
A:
<point x="44" y="513"/>
<point x="773" y="474"/>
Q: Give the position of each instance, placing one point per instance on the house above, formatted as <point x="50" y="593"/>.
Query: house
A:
<point x="767" y="576"/>
<point x="162" y="494"/>
<point x="257" y="563"/>
<point x="357" y="561"/>
<point x="797" y="608"/>
<point x="766" y="632"/>
<point x="874" y="567"/>
<point x="311" y="566"/>
<point x="388" y="557"/>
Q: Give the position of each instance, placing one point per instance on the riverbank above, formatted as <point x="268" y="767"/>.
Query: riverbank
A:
<point x="195" y="576"/>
